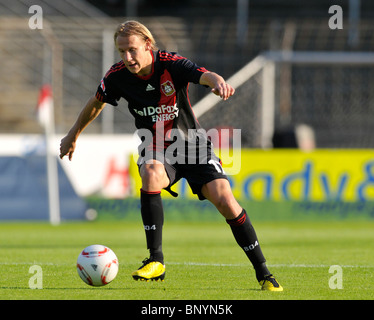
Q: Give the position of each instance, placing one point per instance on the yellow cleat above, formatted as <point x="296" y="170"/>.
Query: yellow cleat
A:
<point x="270" y="284"/>
<point x="150" y="270"/>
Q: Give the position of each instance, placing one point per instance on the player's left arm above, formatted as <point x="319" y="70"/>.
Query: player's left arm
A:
<point x="219" y="86"/>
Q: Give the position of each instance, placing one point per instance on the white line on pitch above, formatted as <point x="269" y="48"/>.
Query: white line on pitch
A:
<point x="270" y="265"/>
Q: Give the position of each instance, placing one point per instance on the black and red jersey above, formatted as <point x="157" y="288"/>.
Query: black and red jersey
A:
<point x="160" y="98"/>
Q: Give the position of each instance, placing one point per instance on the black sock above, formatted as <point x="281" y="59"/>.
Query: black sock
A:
<point x="246" y="238"/>
<point x="153" y="220"/>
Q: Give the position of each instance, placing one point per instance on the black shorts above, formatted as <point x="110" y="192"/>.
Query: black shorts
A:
<point x="196" y="174"/>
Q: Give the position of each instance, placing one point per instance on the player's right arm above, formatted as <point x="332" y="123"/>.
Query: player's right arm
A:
<point x="89" y="113"/>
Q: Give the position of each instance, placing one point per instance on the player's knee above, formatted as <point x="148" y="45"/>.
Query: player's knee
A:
<point x="151" y="173"/>
<point x="153" y="176"/>
<point x="223" y="203"/>
<point x="227" y="206"/>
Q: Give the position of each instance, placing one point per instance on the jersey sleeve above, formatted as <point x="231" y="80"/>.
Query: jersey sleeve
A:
<point x="106" y="92"/>
<point x="184" y="69"/>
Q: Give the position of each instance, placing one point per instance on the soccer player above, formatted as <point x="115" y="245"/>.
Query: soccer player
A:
<point x="155" y="84"/>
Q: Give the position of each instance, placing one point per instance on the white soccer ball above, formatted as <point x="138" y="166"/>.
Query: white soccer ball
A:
<point x="97" y="265"/>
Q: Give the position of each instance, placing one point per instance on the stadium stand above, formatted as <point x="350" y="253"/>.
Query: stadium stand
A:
<point x="208" y="39"/>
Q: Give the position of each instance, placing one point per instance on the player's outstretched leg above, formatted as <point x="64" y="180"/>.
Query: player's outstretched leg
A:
<point x="219" y="193"/>
<point x="246" y="238"/>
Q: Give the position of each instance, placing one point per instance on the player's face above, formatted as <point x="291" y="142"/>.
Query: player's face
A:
<point x="136" y="54"/>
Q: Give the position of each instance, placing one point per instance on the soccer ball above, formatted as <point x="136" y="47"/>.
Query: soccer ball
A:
<point x="97" y="265"/>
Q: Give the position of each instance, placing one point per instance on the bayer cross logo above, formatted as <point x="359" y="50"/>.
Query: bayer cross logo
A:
<point x="167" y="88"/>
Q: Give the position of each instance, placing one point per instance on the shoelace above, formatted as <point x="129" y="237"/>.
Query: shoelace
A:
<point x="145" y="262"/>
<point x="271" y="279"/>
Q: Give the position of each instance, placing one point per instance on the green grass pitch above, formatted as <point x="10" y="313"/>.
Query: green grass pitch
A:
<point x="203" y="262"/>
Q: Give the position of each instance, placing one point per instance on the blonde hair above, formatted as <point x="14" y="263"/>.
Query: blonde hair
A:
<point x="129" y="28"/>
